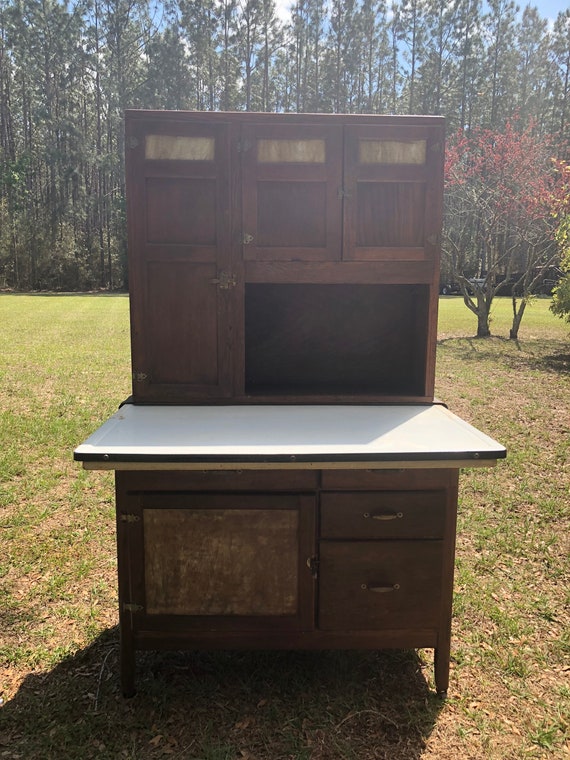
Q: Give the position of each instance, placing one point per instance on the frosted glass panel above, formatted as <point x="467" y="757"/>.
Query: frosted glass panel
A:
<point x="392" y="152"/>
<point x="221" y="561"/>
<point x="176" y="148"/>
<point x="291" y="151"/>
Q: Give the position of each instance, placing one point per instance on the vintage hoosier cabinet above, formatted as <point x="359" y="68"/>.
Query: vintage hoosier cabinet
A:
<point x="284" y="476"/>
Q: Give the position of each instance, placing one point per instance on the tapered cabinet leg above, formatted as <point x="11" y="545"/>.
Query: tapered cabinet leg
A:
<point x="441" y="669"/>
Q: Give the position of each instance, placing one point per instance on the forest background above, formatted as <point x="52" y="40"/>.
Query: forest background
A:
<point x="499" y="74"/>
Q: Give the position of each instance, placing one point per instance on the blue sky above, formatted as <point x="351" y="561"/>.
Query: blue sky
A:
<point x="549" y="8"/>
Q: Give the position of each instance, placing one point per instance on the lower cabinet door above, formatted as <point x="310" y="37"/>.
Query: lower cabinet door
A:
<point x="379" y="585"/>
<point x="228" y="561"/>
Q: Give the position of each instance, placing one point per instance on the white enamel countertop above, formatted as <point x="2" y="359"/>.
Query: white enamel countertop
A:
<point x="327" y="436"/>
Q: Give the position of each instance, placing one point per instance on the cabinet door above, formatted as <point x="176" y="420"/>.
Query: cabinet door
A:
<point x="225" y="562"/>
<point x="291" y="192"/>
<point x="393" y="179"/>
<point x="180" y="273"/>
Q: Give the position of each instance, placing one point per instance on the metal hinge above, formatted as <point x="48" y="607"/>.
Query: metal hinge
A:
<point x="436" y="147"/>
<point x="343" y="194"/>
<point x="244" y="145"/>
<point x="140" y="377"/>
<point x="432" y="239"/>
<point x="132" y="607"/>
<point x="313" y="565"/>
<point x="225" y="280"/>
<point x="247" y="239"/>
<point x="133" y="142"/>
<point x="130" y="518"/>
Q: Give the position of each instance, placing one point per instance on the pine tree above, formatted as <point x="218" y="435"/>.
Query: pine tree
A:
<point x="500" y="62"/>
<point x="560" y="83"/>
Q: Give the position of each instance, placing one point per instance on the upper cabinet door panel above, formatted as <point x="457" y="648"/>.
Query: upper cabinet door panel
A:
<point x="291" y="192"/>
<point x="179" y="182"/>
<point x="392" y="187"/>
<point x="180" y="275"/>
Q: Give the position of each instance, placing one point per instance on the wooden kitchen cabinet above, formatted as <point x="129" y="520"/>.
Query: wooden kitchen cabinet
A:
<point x="284" y="476"/>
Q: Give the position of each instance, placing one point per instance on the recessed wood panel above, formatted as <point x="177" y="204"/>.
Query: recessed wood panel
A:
<point x="291" y="214"/>
<point x="291" y="151"/>
<point x="390" y="214"/>
<point x="181" y="210"/>
<point x="179" y="148"/>
<point x="392" y="152"/>
<point x="181" y="323"/>
<point x="221" y="561"/>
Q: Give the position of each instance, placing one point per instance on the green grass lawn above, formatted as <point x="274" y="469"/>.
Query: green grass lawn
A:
<point x="456" y="319"/>
<point x="65" y="366"/>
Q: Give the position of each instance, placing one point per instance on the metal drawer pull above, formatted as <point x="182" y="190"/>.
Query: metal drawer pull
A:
<point x="380" y="589"/>
<point x="384" y="515"/>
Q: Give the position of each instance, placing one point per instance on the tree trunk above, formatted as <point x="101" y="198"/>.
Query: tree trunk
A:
<point x="517" y="318"/>
<point x="483" y="329"/>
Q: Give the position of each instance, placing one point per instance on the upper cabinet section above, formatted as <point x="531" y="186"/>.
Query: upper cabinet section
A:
<point x="283" y="257"/>
<point x="338" y="191"/>
<point x="180" y="185"/>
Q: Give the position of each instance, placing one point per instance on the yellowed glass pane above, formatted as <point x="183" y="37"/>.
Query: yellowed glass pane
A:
<point x="177" y="148"/>
<point x="392" y="152"/>
<point x="291" y="151"/>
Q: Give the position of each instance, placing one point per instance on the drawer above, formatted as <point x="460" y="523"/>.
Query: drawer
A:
<point x="394" y="480"/>
<point x="371" y="585"/>
<point x="220" y="480"/>
<point x="383" y="514"/>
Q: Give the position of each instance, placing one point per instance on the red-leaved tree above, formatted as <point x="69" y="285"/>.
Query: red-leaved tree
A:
<point x="502" y="190"/>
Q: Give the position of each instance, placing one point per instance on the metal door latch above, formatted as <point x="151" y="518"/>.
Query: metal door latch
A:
<point x="225" y="280"/>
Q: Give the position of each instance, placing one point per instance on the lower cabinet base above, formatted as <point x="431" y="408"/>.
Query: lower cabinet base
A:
<point x="148" y="641"/>
<point x="294" y="561"/>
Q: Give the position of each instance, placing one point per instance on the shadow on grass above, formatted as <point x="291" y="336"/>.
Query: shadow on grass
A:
<point x="222" y="705"/>
<point x="529" y="354"/>
<point x="558" y="362"/>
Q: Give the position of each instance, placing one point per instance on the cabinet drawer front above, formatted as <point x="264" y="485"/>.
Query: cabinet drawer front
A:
<point x="383" y="514"/>
<point x="370" y="479"/>
<point x="221" y="480"/>
<point x="369" y="585"/>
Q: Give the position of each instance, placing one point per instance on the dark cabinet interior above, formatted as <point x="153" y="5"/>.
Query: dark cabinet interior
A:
<point x="337" y="340"/>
